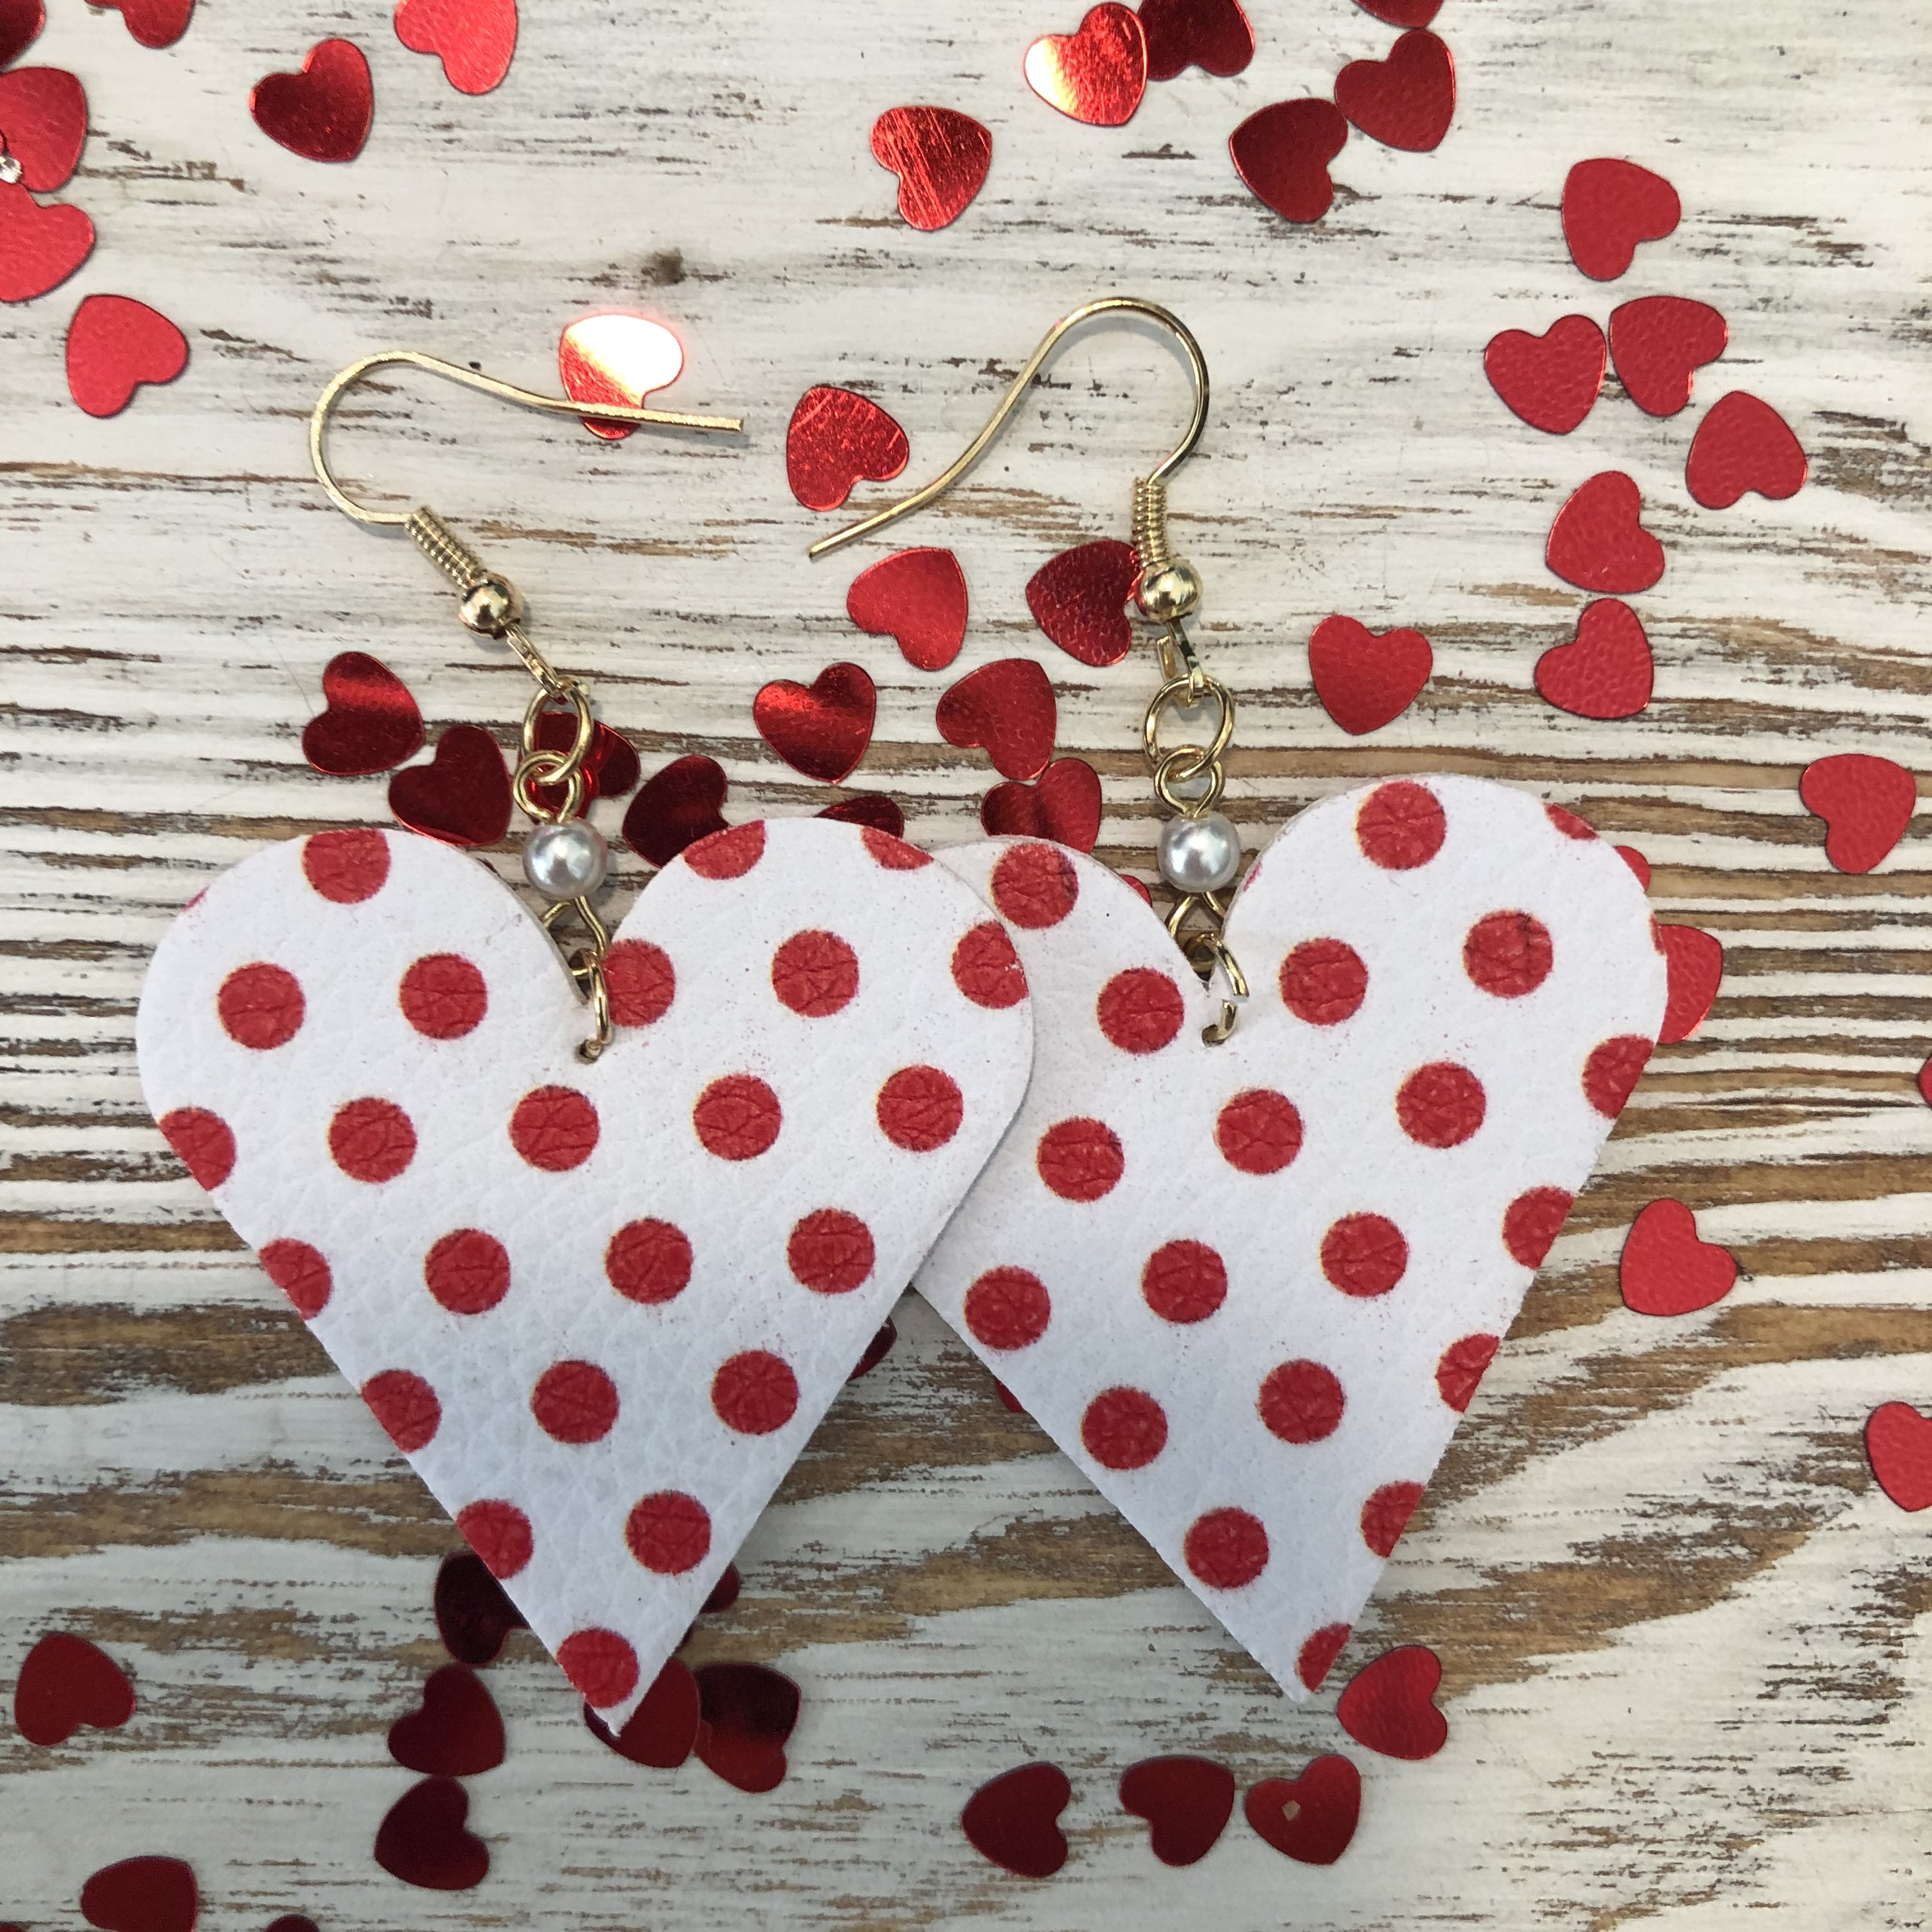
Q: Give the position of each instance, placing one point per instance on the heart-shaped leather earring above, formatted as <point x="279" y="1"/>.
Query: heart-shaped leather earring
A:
<point x="1260" y="1227"/>
<point x="599" y="1289"/>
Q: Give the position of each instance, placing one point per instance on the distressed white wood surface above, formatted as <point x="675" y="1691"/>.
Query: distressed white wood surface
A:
<point x="1686" y="1639"/>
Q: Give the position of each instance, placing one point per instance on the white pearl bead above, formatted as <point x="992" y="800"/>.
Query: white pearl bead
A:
<point x="565" y="861"/>
<point x="1199" y="855"/>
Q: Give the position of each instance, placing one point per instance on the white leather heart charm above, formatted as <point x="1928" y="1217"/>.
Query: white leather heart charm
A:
<point x="1250" y="1289"/>
<point x="601" y="1308"/>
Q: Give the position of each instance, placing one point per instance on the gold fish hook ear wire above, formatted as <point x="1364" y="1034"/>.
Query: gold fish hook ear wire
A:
<point x="1200" y="851"/>
<point x="564" y="856"/>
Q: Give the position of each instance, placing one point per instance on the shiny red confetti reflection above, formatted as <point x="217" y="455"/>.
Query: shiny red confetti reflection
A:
<point x="1665" y="1270"/>
<point x="836" y="437"/>
<point x="1898" y="1444"/>
<point x="1552" y="380"/>
<point x="1282" y="154"/>
<point x="67" y="1682"/>
<point x="1186" y="1801"/>
<point x="877" y="1350"/>
<point x="918" y="599"/>
<point x="1311" y="1819"/>
<point x="941" y="158"/>
<point x="1406" y="101"/>
<point x="475" y="39"/>
<point x="1744" y="445"/>
<point x="748" y="1712"/>
<point x="40" y="247"/>
<point x="1366" y="679"/>
<point x="370" y="722"/>
<point x="1598" y="541"/>
<point x="1866" y="803"/>
<point x="869" y="808"/>
<point x="1078" y="599"/>
<point x="821" y="729"/>
<point x="1008" y="708"/>
<point x="154" y="23"/>
<point x="1696" y="960"/>
<point x="43" y="123"/>
<point x="473" y="1615"/>
<point x="1606" y="671"/>
<point x="610" y="767"/>
<point x="114" y="345"/>
<point x="323" y="111"/>
<point x="616" y="358"/>
<point x="675" y="808"/>
<point x="149" y="1894"/>
<point x="1402" y="13"/>
<point x="1064" y="806"/>
<point x="421" y="1840"/>
<point x="1608" y="208"/>
<point x="1096" y="74"/>
<point x="456" y="1732"/>
<point x="1213" y="35"/>
<point x="1389" y="1704"/>
<point x="462" y="797"/>
<point x="20" y="24"/>
<point x="661" y="1732"/>
<point x="1014" y="1820"/>
<point x="1659" y="343"/>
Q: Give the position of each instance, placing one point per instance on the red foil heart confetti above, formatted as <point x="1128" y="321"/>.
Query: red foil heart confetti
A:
<point x="1659" y="343"/>
<point x="1552" y="380"/>
<point x="1402" y="13"/>
<point x="1014" y="1819"/>
<point x="1213" y="35"/>
<point x="836" y="438"/>
<point x="877" y="1350"/>
<point x="1665" y="1270"/>
<point x="322" y="112"/>
<point x="821" y="729"/>
<point x="940" y="157"/>
<point x="676" y="807"/>
<point x="1696" y="959"/>
<point x="43" y="123"/>
<point x="462" y="795"/>
<point x="615" y="358"/>
<point x="1406" y="101"/>
<point x="1598" y="541"/>
<point x="1078" y="599"/>
<point x="1608" y="208"/>
<point x="661" y="1732"/>
<point x="724" y="1592"/>
<point x="146" y="1894"/>
<point x="1744" y="445"/>
<point x="475" y="39"/>
<point x="1282" y="154"/>
<point x="610" y="767"/>
<point x="40" y="247"/>
<point x="154" y="23"/>
<point x="456" y="1733"/>
<point x="749" y="1711"/>
<point x="1097" y="74"/>
<point x="1898" y="1445"/>
<point x="473" y="1616"/>
<point x="1187" y="1801"/>
<point x="1365" y="679"/>
<point x="871" y="808"/>
<point x="1007" y="708"/>
<point x="421" y="1840"/>
<point x="918" y="599"/>
<point x="64" y="1683"/>
<point x="20" y="24"/>
<point x="1607" y="671"/>
<point x="1064" y="805"/>
<point x="1866" y="803"/>
<point x="114" y="345"/>
<point x="1311" y="1819"/>
<point x="1636" y="862"/>
<point x="1389" y="1705"/>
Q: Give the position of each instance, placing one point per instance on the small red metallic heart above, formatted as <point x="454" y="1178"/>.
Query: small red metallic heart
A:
<point x="662" y="1730"/>
<point x="724" y="1592"/>
<point x="1609" y="207"/>
<point x="1008" y="707"/>
<point x="821" y="728"/>
<point x="462" y="795"/>
<point x="917" y="597"/>
<point x="1078" y="599"/>
<point x="1636" y="862"/>
<point x="39" y="247"/>
<point x="457" y="1733"/>
<point x="1402" y="13"/>
<point x="1866" y="803"/>
<point x="877" y="1350"/>
<point x="1389" y="1704"/>
<point x="473" y="1616"/>
<point x="1898" y="1444"/>
<point x="1552" y="380"/>
<point x="676" y="808"/>
<point x="1742" y="444"/>
<point x="834" y="438"/>
<point x="610" y="767"/>
<point x="114" y="345"/>
<point x="1597" y="541"/>
<point x="292" y="1921"/>
<point x="20" y="24"/>
<point x="871" y="808"/>
<point x="475" y="39"/>
<point x="1064" y="805"/>
<point x="1311" y="1819"/>
<point x="614" y="358"/>
<point x="1097" y="74"/>
<point x="940" y="157"/>
<point x="1186" y="1801"/>
<point x="747" y="1712"/>
<point x="1213" y="35"/>
<point x="1014" y="1820"/>
<point x="1282" y="154"/>
<point x="1659" y="343"/>
<point x="1406" y="101"/>
<point x="67" y="1682"/>
<point x="1665" y="1270"/>
<point x="1365" y="679"/>
<point x="43" y="123"/>
<point x="421" y="1840"/>
<point x="154" y="23"/>
<point x="322" y="112"/>
<point x="1606" y="671"/>
<point x="1695" y="962"/>
<point x="149" y="1894"/>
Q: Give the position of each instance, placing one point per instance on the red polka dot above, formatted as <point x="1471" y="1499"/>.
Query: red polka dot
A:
<point x="1318" y="1653"/>
<point x="554" y="1128"/>
<point x="1532" y="1222"/>
<point x="1226" y="1548"/>
<point x="302" y="1272"/>
<point x="1258" y="1132"/>
<point x="1301" y="1401"/>
<point x="1123" y="1429"/>
<point x="641" y="982"/>
<point x="1324" y="982"/>
<point x="1400" y="826"/>
<point x="894" y="854"/>
<point x="1508" y="954"/>
<point x="648" y="1261"/>
<point x="830" y="1252"/>
<point x="1035" y="885"/>
<point x="1463" y="1365"/>
<point x="1386" y="1514"/>
<point x="1184" y="1281"/>
<point x="920" y="1109"/>
<point x="729" y="854"/>
<point x="1080" y="1160"/>
<point x="815" y="974"/>
<point x="443" y="996"/>
<point x="371" y="1140"/>
<point x="1440" y="1104"/>
<point x="261" y="1006"/>
<point x="669" y="1532"/>
<point x="1364" y="1255"/>
<point x="407" y="1407"/>
<point x="1568" y="824"/>
<point x="1141" y="1010"/>
<point x="346" y="867"/>
<point x="1008" y="1308"/>
<point x="736" y="1118"/>
<point x="468" y="1272"/>
<point x="602" y="1666"/>
<point x="987" y="969"/>
<point x="574" y="1402"/>
<point x="203" y="1142"/>
<point x="499" y="1533"/>
<point x="1612" y="1071"/>
<point x="755" y="1392"/>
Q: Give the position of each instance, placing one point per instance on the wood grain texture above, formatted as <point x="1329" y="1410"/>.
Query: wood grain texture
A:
<point x="1685" y="1639"/>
